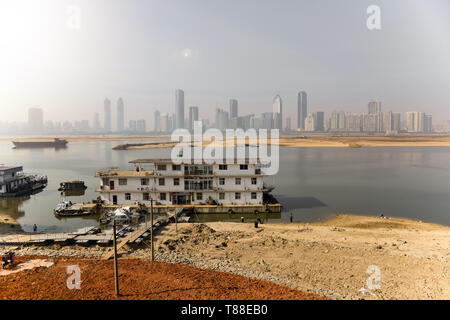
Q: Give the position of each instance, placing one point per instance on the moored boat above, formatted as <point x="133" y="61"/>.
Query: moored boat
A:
<point x="14" y="183"/>
<point x="72" y="185"/>
<point x="56" y="143"/>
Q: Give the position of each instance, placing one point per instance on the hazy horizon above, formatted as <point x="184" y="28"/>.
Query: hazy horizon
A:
<point x="215" y="50"/>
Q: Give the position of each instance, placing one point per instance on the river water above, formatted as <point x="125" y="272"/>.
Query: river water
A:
<point x="312" y="184"/>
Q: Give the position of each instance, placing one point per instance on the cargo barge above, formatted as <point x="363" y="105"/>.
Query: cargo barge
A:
<point x="56" y="143"/>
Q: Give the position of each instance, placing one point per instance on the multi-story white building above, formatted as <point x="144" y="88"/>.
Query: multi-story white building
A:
<point x="183" y="184"/>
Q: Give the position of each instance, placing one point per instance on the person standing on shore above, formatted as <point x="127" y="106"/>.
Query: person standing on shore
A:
<point x="35" y="228"/>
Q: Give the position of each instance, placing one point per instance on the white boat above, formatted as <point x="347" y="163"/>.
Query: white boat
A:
<point x="121" y="215"/>
<point x="63" y="206"/>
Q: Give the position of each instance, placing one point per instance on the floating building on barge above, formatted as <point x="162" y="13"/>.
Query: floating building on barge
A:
<point x="13" y="182"/>
<point x="211" y="187"/>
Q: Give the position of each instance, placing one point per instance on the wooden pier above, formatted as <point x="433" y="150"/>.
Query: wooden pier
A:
<point x="88" y="236"/>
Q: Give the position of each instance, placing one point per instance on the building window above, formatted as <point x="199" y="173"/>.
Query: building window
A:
<point x="162" y="182"/>
<point x="144" y="182"/>
<point x="254" y="196"/>
<point x="238" y="181"/>
<point x="145" y="196"/>
<point x="162" y="196"/>
<point x="199" y="196"/>
<point x="221" y="196"/>
<point x="176" y="181"/>
<point x="244" y="166"/>
<point x="221" y="181"/>
<point x="176" y="167"/>
<point x="127" y="196"/>
<point x="122" y="182"/>
<point x="223" y="167"/>
<point x="237" y="196"/>
<point x="254" y="180"/>
<point x="162" y="167"/>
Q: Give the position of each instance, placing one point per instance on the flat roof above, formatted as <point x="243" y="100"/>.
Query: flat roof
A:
<point x="5" y="168"/>
<point x="125" y="173"/>
<point x="191" y="161"/>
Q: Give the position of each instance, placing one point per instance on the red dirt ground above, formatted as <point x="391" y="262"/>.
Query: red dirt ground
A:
<point x="139" y="279"/>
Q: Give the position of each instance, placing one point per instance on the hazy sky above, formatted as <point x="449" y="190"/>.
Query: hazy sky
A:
<point x="251" y="50"/>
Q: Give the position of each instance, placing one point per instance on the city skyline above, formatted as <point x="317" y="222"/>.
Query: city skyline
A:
<point x="374" y="120"/>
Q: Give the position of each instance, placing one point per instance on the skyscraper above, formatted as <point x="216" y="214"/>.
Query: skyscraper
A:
<point x="165" y="123"/>
<point x="410" y="121"/>
<point x="233" y="108"/>
<point x="96" y="125"/>
<point x="277" y="109"/>
<point x="320" y="121"/>
<point x="179" y="108"/>
<point x="310" y="122"/>
<point x="141" y="126"/>
<point x="120" y="115"/>
<point x="302" y="107"/>
<point x="193" y="116"/>
<point x="157" y="121"/>
<point x="374" y="107"/>
<point x="107" y="108"/>
<point x="35" y="120"/>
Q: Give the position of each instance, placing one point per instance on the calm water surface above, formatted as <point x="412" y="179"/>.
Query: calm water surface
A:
<point x="313" y="183"/>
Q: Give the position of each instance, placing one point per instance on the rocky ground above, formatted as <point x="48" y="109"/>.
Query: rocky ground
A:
<point x="341" y="259"/>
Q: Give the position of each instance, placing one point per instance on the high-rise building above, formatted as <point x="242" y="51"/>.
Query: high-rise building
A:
<point x="320" y="121"/>
<point x="387" y="123"/>
<point x="120" y="115"/>
<point x="277" y="110"/>
<point x="96" y="126"/>
<point x="107" y="108"/>
<point x="428" y="123"/>
<point x="374" y="107"/>
<point x="193" y="116"/>
<point x="288" y="124"/>
<point x="132" y="125"/>
<point x="310" y="123"/>
<point x="396" y="121"/>
<point x="35" y="120"/>
<point x="410" y="121"/>
<point x="165" y="123"/>
<point x="141" y="126"/>
<point x="222" y="119"/>
<point x="370" y="122"/>
<point x="337" y="121"/>
<point x="353" y="122"/>
<point x="157" y="121"/>
<point x="233" y="108"/>
<point x="302" y="109"/>
<point x="179" y="108"/>
<point x="419" y="120"/>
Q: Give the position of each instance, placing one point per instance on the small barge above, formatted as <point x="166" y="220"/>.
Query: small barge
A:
<point x="69" y="209"/>
<point x="72" y="185"/>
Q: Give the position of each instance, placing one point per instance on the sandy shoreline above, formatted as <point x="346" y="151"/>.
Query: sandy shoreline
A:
<point x="9" y="226"/>
<point x="149" y="142"/>
<point x="327" y="258"/>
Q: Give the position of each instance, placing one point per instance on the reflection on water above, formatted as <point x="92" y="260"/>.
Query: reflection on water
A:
<point x="73" y="193"/>
<point x="11" y="206"/>
<point x="313" y="183"/>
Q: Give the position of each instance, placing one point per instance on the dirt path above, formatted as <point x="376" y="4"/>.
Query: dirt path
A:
<point x="139" y="279"/>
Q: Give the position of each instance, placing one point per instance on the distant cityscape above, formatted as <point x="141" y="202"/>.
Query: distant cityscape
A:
<point x="374" y="121"/>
